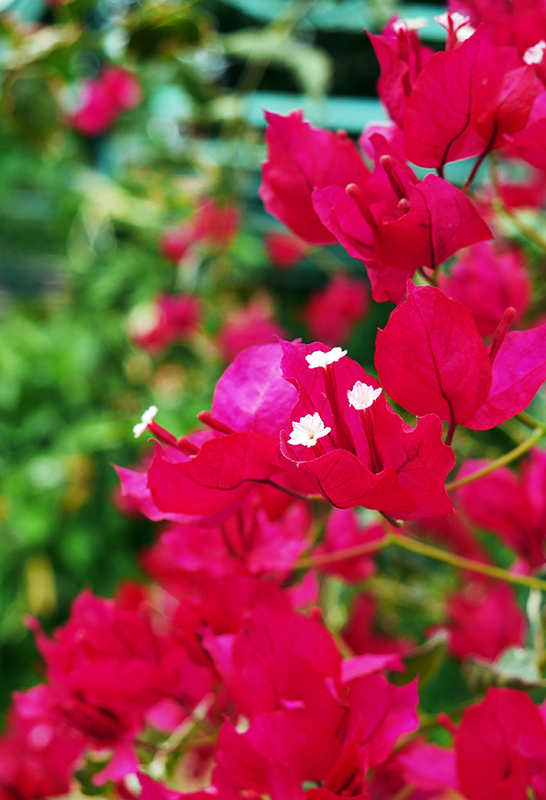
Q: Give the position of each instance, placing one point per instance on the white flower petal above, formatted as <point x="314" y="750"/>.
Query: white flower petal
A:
<point x="147" y="419"/>
<point x="320" y="359"/>
<point x="535" y="54"/>
<point x="362" y="396"/>
<point x="308" y="430"/>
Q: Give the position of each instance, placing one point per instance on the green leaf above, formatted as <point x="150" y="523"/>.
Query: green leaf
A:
<point x="423" y="661"/>
<point x="516" y="667"/>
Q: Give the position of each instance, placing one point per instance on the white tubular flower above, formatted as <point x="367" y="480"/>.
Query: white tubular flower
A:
<point x="413" y="24"/>
<point x="320" y="359"/>
<point x="362" y="396"/>
<point x="535" y="54"/>
<point x="460" y="22"/>
<point x="147" y="419"/>
<point x="308" y="430"/>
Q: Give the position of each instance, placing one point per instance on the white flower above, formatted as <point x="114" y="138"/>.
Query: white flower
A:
<point x="461" y="24"/>
<point x="535" y="54"/>
<point x="413" y="24"/>
<point x="308" y="430"/>
<point x="320" y="359"/>
<point x="362" y="396"/>
<point x="147" y="419"/>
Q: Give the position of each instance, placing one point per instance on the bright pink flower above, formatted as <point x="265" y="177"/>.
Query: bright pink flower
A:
<point x="215" y="478"/>
<point x="350" y="445"/>
<point x="300" y="159"/>
<point x="175" y="242"/>
<point x="216" y="224"/>
<point x="530" y="144"/>
<point x="308" y="747"/>
<point x="332" y="312"/>
<point x="103" y="100"/>
<point x="135" y="489"/>
<point x="108" y="666"/>
<point x="372" y="715"/>
<point x="466" y="100"/>
<point x="484" y="621"/>
<point x="280" y="660"/>
<point x="500" y="747"/>
<point x="510" y="505"/>
<point x="389" y="220"/>
<point x="382" y="712"/>
<point x="343" y="530"/>
<point x="170" y="318"/>
<point x="487" y="282"/>
<point x="153" y="790"/>
<point x="520" y="23"/>
<point x="429" y="769"/>
<point x="252" y="325"/>
<point x="401" y="57"/>
<point x="431" y="358"/>
<point x="38" y="755"/>
<point x="248" y="540"/>
<point x="396" y="222"/>
<point x="123" y="86"/>
<point x="283" y="249"/>
<point x="251" y="395"/>
<point x="251" y="404"/>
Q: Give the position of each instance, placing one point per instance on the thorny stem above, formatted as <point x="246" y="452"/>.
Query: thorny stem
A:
<point x="415" y="546"/>
<point x="518" y="451"/>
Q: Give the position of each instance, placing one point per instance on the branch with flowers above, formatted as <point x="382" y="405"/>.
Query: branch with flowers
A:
<point x="232" y="673"/>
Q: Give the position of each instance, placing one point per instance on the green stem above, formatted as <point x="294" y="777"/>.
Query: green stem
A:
<point x="415" y="546"/>
<point x="340" y="555"/>
<point x="500" y="462"/>
<point x="522" y="226"/>
<point x="528" y="420"/>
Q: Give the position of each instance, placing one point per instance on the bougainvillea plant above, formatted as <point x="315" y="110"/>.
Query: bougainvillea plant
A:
<point x="226" y="676"/>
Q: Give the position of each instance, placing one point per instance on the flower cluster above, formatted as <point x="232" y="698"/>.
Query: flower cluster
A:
<point x="226" y="676"/>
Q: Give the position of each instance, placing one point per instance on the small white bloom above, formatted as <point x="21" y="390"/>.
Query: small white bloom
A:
<point x="147" y="419"/>
<point x="362" y="396"/>
<point x="535" y="54"/>
<point x="308" y="430"/>
<point x="413" y="24"/>
<point x="461" y="24"/>
<point x="320" y="359"/>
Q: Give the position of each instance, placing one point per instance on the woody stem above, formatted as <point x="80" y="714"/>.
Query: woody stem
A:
<point x="518" y="451"/>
